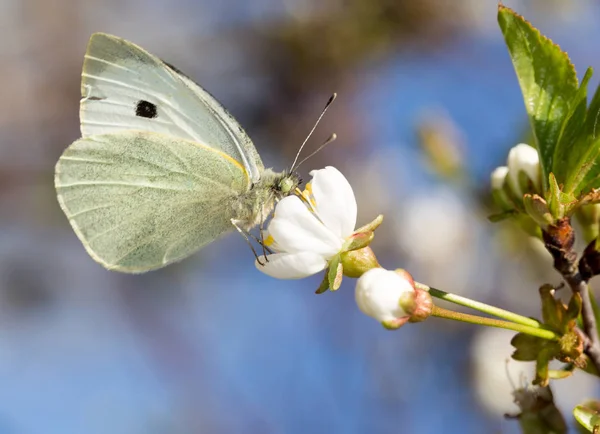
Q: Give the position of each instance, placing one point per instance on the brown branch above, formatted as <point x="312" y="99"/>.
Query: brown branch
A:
<point x="592" y="347"/>
<point x="559" y="240"/>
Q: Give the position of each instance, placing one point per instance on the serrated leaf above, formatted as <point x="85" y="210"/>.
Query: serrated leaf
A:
<point x="586" y="174"/>
<point x="569" y="150"/>
<point x="527" y="347"/>
<point x="548" y="82"/>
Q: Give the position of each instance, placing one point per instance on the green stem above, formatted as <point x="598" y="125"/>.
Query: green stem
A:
<point x="481" y="307"/>
<point x="440" y="312"/>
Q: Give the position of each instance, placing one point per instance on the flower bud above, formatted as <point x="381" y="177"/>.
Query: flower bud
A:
<point x="497" y="182"/>
<point x="588" y="414"/>
<point x="391" y="298"/>
<point x="422" y="306"/>
<point x="524" y="159"/>
<point x="498" y="177"/>
<point x="358" y="262"/>
<point x="538" y="210"/>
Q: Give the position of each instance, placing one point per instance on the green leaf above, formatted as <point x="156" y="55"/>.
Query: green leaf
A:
<point x="527" y="347"/>
<point x="571" y="145"/>
<point x="553" y="311"/>
<point x="548" y="83"/>
<point x="586" y="174"/>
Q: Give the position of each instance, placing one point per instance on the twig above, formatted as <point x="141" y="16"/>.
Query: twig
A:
<point x="592" y="348"/>
<point x="559" y="240"/>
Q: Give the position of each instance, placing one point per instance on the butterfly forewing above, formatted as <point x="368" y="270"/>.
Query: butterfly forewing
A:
<point x="126" y="88"/>
<point x="139" y="201"/>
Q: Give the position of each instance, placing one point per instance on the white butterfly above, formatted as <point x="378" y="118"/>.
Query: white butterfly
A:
<point x="162" y="169"/>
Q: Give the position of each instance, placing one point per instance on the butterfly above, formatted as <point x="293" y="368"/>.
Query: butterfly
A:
<point x="161" y="169"/>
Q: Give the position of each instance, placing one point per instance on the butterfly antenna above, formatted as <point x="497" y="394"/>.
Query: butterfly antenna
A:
<point x="327" y="142"/>
<point x="331" y="99"/>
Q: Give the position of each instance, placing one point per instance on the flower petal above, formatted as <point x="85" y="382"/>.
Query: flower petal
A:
<point x="379" y="293"/>
<point x="523" y="158"/>
<point x="295" y="229"/>
<point x="498" y="177"/>
<point x="335" y="201"/>
<point x="292" y="265"/>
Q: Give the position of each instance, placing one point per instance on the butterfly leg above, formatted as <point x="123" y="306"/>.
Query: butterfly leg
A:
<point x="255" y="238"/>
<point x="245" y="235"/>
<point x="262" y="236"/>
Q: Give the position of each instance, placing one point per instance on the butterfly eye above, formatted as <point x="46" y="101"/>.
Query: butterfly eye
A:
<point x="145" y="109"/>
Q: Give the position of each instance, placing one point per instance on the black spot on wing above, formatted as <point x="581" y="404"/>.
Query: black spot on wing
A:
<point x="145" y="109"/>
<point x="95" y="98"/>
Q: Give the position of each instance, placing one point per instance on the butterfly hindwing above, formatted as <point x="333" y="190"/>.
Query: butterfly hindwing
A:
<point x="139" y="200"/>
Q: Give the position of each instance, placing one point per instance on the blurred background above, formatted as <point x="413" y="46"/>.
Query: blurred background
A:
<point x="428" y="105"/>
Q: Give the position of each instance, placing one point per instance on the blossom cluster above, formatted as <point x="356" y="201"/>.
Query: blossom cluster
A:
<point x="315" y="231"/>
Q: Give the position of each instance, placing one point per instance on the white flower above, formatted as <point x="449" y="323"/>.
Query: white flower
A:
<point x="498" y="177"/>
<point x="390" y="297"/>
<point x="305" y="237"/>
<point x="523" y="158"/>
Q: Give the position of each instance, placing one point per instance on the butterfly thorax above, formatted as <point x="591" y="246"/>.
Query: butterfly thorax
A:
<point x="255" y="206"/>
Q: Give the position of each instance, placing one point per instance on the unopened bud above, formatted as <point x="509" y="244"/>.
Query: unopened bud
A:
<point x="391" y="298"/>
<point x="423" y="305"/>
<point x="358" y="262"/>
<point x="524" y="159"/>
<point x="498" y="177"/>
<point x="588" y="415"/>
<point x="538" y="210"/>
<point x="497" y="182"/>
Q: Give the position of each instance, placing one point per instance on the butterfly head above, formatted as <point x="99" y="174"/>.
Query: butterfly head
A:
<point x="285" y="184"/>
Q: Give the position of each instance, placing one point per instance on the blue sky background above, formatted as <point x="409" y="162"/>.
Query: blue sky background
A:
<point x="212" y="345"/>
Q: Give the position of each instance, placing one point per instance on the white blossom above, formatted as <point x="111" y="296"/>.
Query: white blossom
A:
<point x="306" y="233"/>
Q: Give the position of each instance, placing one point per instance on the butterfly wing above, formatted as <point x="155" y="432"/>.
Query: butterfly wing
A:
<point x="126" y="88"/>
<point x="139" y="201"/>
